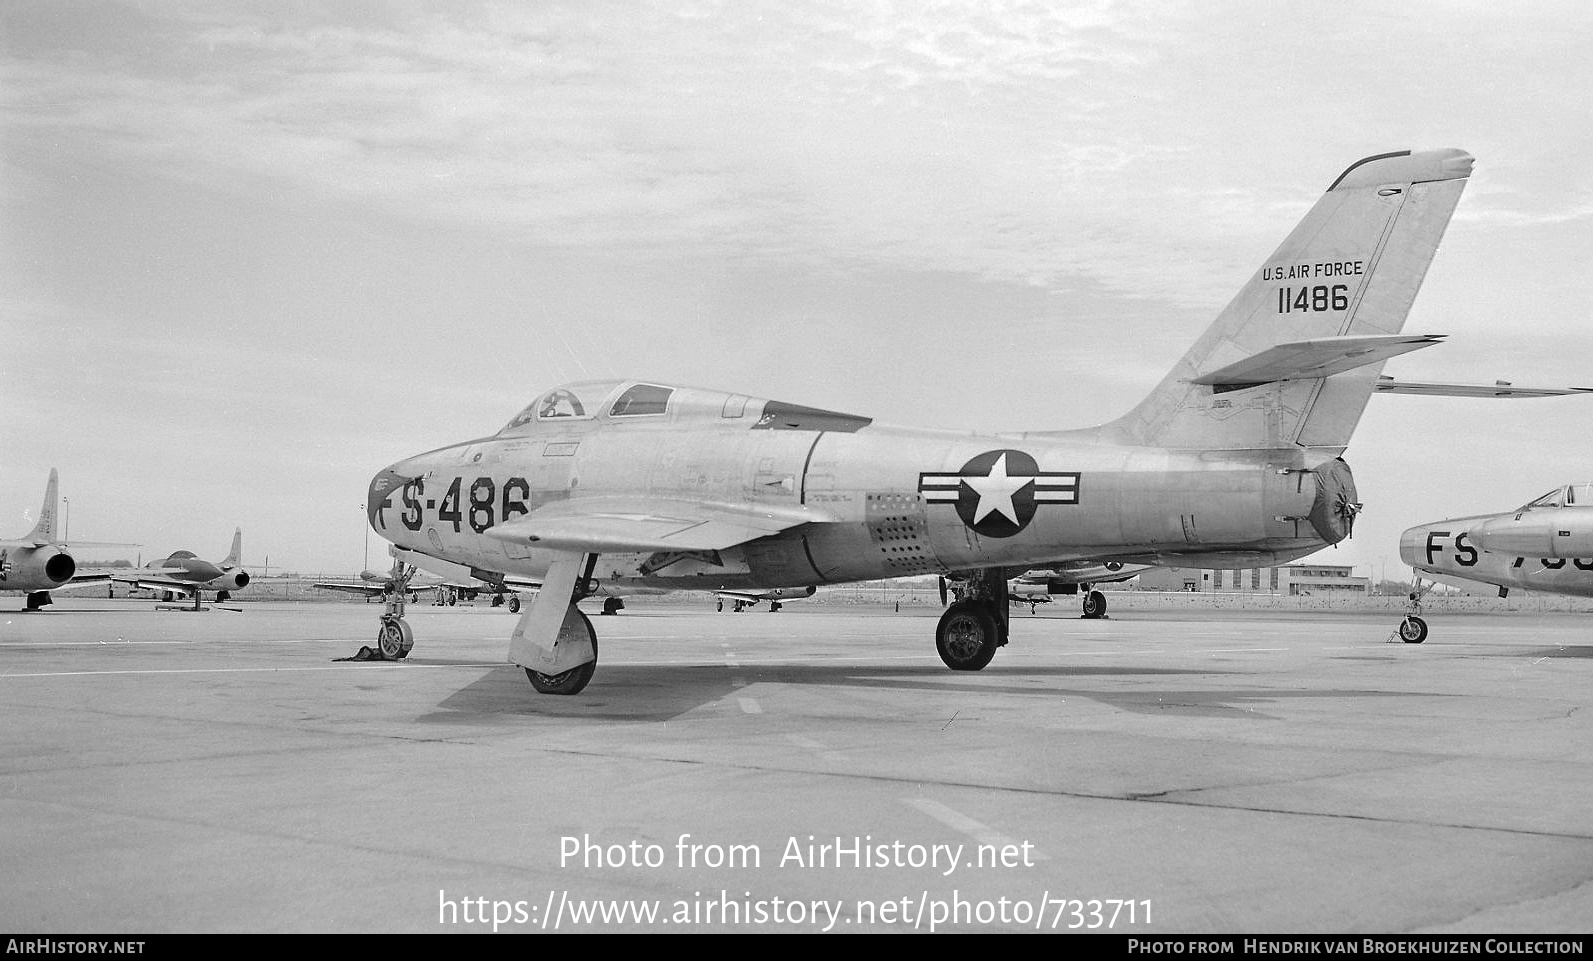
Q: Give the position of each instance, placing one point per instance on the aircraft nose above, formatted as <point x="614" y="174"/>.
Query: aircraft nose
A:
<point x="203" y="570"/>
<point x="384" y="486"/>
<point x="1412" y="546"/>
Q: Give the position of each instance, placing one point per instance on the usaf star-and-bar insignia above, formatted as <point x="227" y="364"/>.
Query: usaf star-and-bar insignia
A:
<point x="997" y="493"/>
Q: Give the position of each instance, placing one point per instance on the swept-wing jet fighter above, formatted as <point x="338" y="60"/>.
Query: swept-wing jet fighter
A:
<point x="1233" y="460"/>
<point x="776" y="597"/>
<point x="184" y="574"/>
<point x="38" y="562"/>
<point x="1544" y="545"/>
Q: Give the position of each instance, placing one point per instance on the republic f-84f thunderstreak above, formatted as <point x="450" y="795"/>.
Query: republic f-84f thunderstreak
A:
<point x="1232" y="461"/>
<point x="1545" y="545"/>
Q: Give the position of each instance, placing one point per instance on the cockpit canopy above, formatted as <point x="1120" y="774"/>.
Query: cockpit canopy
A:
<point x="623" y="400"/>
<point x="1572" y="495"/>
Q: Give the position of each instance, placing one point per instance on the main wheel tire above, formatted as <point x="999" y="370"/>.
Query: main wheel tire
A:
<point x="573" y="680"/>
<point x="394" y="639"/>
<point x="453" y="599"/>
<point x="514" y="605"/>
<point x="967" y="636"/>
<point x="1412" y="630"/>
<point x="1094" y="604"/>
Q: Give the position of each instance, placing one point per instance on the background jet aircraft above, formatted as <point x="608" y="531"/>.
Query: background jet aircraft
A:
<point x="1544" y="545"/>
<point x="184" y="574"/>
<point x="37" y="562"/>
<point x="1233" y="460"/>
<point x="746" y="599"/>
<point x="379" y="584"/>
<point x="1064" y="577"/>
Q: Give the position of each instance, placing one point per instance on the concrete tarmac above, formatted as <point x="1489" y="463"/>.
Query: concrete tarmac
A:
<point x="1160" y="772"/>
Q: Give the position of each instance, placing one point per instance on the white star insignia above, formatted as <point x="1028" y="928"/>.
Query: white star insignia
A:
<point x="995" y="491"/>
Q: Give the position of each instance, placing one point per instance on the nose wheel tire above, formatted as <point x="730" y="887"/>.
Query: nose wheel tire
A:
<point x="1413" y="630"/>
<point x="966" y="636"/>
<point x="573" y="680"/>
<point x="394" y="640"/>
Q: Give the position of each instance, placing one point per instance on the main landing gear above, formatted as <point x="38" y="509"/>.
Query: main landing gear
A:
<point x="512" y="602"/>
<point x="1413" y="629"/>
<point x="576" y="678"/>
<point x="559" y="655"/>
<point x="1094" y="603"/>
<point x="976" y="623"/>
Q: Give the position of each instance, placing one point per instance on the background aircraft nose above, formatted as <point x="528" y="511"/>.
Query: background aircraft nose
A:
<point x="203" y="570"/>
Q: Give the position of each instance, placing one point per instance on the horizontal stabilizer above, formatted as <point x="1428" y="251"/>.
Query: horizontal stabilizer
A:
<point x="1322" y="357"/>
<point x="603" y="525"/>
<point x="1499" y="388"/>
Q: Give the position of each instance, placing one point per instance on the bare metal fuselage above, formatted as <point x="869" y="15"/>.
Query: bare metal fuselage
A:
<point x="883" y="502"/>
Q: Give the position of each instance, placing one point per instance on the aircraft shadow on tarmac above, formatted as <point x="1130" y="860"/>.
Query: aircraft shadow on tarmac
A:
<point x="665" y="692"/>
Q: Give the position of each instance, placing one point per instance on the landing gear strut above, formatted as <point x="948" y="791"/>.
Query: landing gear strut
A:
<point x="976" y="623"/>
<point x="393" y="635"/>
<point x="1413" y="629"/>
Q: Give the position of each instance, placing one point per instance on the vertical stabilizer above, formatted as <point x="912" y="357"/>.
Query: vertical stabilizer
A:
<point x="234" y="557"/>
<point x="1350" y="268"/>
<point x="44" y="531"/>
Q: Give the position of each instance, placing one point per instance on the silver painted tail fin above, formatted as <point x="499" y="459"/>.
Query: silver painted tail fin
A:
<point x="1351" y="268"/>
<point x="44" y="530"/>
<point x="235" y="555"/>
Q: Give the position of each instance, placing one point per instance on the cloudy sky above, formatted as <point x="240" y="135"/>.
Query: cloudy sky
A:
<point x="252" y="252"/>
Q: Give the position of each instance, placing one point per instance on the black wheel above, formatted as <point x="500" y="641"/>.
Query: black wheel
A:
<point x="1094" y="604"/>
<point x="721" y="607"/>
<point x="573" y="680"/>
<point x="453" y="599"/>
<point x="394" y="639"/>
<point x="612" y="605"/>
<point x="223" y="596"/>
<point x="1413" y="630"/>
<point x="514" y="605"/>
<point x="966" y="636"/>
<point x="774" y="607"/>
<point x="497" y="601"/>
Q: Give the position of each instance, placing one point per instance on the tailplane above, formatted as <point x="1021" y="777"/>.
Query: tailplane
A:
<point x="1295" y="355"/>
<point x="234" y="556"/>
<point x="44" y="530"/>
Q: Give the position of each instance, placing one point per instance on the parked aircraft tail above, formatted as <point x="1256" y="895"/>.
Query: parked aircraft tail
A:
<point x="1295" y="355"/>
<point x="44" y="530"/>
<point x="234" y="556"/>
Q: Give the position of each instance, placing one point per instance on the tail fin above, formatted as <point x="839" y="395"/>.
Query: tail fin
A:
<point x="44" y="530"/>
<point x="234" y="556"/>
<point x="1349" y="270"/>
